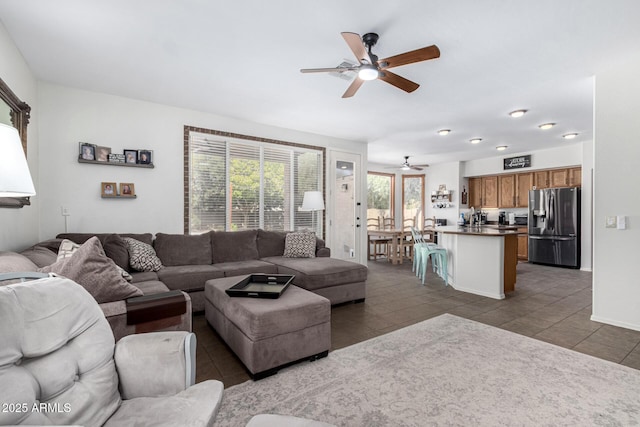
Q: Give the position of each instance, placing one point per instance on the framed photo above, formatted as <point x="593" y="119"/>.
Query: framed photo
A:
<point x="108" y="189"/>
<point x="102" y="154"/>
<point x="127" y="189"/>
<point x="87" y="151"/>
<point x="131" y="156"/>
<point x="144" y="157"/>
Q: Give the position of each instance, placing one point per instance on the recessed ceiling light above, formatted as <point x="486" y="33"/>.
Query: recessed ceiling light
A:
<point x="444" y="131"/>
<point x="517" y="113"/>
<point x="475" y="140"/>
<point x="569" y="135"/>
<point x="546" y="126"/>
<point x="501" y="147"/>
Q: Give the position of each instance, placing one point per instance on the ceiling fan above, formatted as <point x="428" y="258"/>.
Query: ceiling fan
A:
<point x="371" y="68"/>
<point x="405" y="166"/>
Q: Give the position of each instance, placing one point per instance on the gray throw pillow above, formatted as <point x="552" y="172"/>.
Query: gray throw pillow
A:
<point x="142" y="257"/>
<point x="88" y="266"/>
<point x="300" y="245"/>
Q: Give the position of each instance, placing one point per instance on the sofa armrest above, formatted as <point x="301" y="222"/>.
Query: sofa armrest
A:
<point x="323" y="252"/>
<point x="148" y="308"/>
<point x="155" y="364"/>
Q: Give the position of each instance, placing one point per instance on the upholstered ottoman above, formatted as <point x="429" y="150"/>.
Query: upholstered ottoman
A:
<point x="267" y="334"/>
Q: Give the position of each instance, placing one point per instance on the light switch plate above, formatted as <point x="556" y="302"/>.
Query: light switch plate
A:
<point x="622" y="222"/>
<point x="611" y="222"/>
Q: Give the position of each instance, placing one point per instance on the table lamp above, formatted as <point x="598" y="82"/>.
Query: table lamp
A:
<point x="15" y="179"/>
<point x="313" y="202"/>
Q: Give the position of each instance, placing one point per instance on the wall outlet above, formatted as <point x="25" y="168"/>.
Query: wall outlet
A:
<point x="65" y="211"/>
<point x="352" y="253"/>
<point x="622" y="222"/>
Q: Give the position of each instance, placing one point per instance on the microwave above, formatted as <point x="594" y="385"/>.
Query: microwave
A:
<point x="521" y="219"/>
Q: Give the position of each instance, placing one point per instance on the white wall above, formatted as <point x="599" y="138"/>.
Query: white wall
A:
<point x="19" y="227"/>
<point x="70" y="116"/>
<point x="616" y="286"/>
<point x="447" y="174"/>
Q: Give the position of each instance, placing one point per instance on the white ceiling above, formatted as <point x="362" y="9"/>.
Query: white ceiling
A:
<point x="242" y="59"/>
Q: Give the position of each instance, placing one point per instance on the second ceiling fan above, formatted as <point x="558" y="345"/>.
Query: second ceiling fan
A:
<point x="372" y="68"/>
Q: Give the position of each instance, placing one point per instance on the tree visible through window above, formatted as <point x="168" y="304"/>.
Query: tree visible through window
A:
<point x="380" y="195"/>
<point x="236" y="185"/>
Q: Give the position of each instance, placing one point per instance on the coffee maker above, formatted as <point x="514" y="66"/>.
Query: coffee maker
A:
<point x="502" y="220"/>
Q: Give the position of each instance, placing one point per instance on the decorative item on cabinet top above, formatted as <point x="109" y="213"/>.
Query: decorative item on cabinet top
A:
<point x="98" y="155"/>
<point x="441" y="198"/>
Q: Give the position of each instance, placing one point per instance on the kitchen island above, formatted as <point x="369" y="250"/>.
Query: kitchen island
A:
<point x="481" y="260"/>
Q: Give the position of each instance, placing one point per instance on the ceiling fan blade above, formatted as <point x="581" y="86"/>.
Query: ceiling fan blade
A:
<point x="423" y="54"/>
<point x="397" y="81"/>
<point x="353" y="87"/>
<point x="416" y="168"/>
<point x="357" y="47"/>
<point x="327" y="70"/>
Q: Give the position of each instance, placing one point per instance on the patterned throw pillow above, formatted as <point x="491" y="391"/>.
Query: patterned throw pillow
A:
<point x="68" y="248"/>
<point x="88" y="265"/>
<point x="300" y="245"/>
<point x="142" y="257"/>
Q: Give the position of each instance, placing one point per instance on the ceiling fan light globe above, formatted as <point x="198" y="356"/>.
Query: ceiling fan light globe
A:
<point x="368" y="72"/>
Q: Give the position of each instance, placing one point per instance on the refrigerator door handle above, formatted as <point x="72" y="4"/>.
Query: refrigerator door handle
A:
<point x="551" y="238"/>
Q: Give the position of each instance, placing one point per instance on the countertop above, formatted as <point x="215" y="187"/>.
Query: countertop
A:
<point x="484" y="230"/>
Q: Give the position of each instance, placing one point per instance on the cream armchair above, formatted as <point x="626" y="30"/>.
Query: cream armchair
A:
<point x="59" y="365"/>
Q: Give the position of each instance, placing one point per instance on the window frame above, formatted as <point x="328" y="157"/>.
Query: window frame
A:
<point x="246" y="138"/>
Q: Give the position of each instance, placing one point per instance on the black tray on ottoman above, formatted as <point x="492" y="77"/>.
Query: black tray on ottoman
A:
<point x="261" y="286"/>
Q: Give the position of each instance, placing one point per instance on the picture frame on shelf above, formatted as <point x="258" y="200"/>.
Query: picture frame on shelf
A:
<point x="127" y="189"/>
<point x="131" y="156"/>
<point x="102" y="153"/>
<point x="145" y="157"/>
<point x="87" y="151"/>
<point x="108" y="189"/>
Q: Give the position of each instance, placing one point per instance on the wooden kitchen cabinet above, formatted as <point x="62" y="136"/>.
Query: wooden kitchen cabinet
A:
<point x="523" y="244"/>
<point x="475" y="192"/>
<point x="541" y="179"/>
<point x="490" y="191"/>
<point x="506" y="191"/>
<point x="575" y="177"/>
<point x="559" y="178"/>
<point x="524" y="183"/>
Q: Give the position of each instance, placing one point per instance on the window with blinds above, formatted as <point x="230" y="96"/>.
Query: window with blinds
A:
<point x="235" y="184"/>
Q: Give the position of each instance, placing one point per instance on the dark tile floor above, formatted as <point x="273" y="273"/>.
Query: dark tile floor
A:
<point x="550" y="304"/>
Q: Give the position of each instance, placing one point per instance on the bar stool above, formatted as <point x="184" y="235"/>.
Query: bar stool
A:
<point x="422" y="251"/>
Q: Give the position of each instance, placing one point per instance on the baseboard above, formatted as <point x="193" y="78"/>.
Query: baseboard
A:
<point x="615" y="322"/>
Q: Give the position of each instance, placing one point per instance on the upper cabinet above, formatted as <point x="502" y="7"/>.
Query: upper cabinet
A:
<point x="541" y="179"/>
<point x="489" y="191"/>
<point x="507" y="191"/>
<point x="575" y="177"/>
<point x="524" y="183"/>
<point x="475" y="192"/>
<point x="512" y="190"/>
<point x="559" y="177"/>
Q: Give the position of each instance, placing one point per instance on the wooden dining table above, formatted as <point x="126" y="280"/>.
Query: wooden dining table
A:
<point x="398" y="242"/>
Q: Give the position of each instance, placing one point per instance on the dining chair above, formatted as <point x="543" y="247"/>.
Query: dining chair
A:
<point x="429" y="229"/>
<point x="380" y="244"/>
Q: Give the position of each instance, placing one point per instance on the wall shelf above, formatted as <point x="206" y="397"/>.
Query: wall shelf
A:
<point x="131" y="165"/>
<point x="119" y="197"/>
<point x="441" y="199"/>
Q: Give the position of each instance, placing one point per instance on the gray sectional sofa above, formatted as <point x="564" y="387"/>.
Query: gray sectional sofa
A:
<point x="188" y="261"/>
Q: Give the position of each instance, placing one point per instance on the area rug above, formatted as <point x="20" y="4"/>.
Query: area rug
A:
<point x="445" y="371"/>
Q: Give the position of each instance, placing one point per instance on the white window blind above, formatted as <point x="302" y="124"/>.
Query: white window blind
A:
<point x="238" y="185"/>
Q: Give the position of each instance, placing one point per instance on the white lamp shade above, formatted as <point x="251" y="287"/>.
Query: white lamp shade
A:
<point x="15" y="179"/>
<point x="312" y="201"/>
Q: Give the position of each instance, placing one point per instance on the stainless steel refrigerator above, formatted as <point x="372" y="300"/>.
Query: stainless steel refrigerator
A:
<point x="554" y="226"/>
